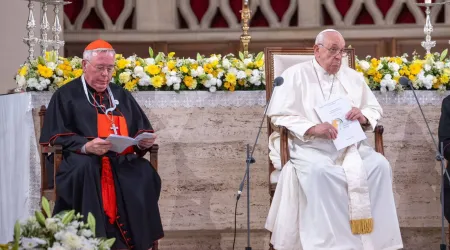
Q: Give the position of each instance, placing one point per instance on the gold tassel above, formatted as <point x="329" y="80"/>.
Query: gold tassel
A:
<point x="362" y="226"/>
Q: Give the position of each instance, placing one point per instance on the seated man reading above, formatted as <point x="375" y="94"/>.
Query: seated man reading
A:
<point x="327" y="198"/>
<point x="122" y="189"/>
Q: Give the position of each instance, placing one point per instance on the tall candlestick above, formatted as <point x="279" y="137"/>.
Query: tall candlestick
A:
<point x="427" y="1"/>
<point x="245" y="16"/>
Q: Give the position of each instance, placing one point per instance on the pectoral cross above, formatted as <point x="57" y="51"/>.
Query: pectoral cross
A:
<point x="114" y="128"/>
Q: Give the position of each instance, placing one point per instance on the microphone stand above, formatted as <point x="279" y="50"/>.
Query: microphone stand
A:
<point x="439" y="157"/>
<point x="250" y="160"/>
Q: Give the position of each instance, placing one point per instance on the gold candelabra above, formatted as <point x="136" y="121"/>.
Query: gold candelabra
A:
<point x="245" y="16"/>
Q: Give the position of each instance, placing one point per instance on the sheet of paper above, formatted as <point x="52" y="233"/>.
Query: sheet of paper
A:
<point x="144" y="135"/>
<point x="349" y="132"/>
<point x="120" y="143"/>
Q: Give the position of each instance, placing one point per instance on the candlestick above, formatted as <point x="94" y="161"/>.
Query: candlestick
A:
<point x="245" y="16"/>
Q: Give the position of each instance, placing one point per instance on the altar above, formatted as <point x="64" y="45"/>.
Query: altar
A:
<point x="202" y="138"/>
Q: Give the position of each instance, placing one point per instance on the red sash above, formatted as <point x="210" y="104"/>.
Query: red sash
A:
<point x="104" y="128"/>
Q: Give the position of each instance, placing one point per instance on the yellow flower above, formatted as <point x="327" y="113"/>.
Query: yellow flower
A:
<point x="372" y="71"/>
<point x="259" y="63"/>
<point x="131" y="85"/>
<point x="399" y="60"/>
<point x="77" y="73"/>
<point x="171" y="64"/>
<point x="214" y="63"/>
<point x="171" y="54"/>
<point x="138" y="63"/>
<point x="415" y="68"/>
<point x="152" y="69"/>
<point x="374" y="63"/>
<point x="231" y="88"/>
<point x="44" y="71"/>
<point x="188" y="81"/>
<point x="404" y="71"/>
<point x="122" y="63"/>
<point x="23" y="71"/>
<point x="67" y="80"/>
<point x="231" y="78"/>
<point x="412" y="77"/>
<point x="184" y="69"/>
<point x="157" y="81"/>
<point x="226" y="85"/>
<point x="248" y="72"/>
<point x="208" y="68"/>
<point x="444" y="78"/>
<point x="194" y="66"/>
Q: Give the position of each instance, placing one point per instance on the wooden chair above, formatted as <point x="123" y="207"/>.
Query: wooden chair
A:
<point x="278" y="59"/>
<point x="45" y="151"/>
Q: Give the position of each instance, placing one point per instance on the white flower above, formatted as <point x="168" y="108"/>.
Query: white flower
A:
<point x="59" y="72"/>
<point x="51" y="65"/>
<point x="220" y="74"/>
<point x="241" y="75"/>
<point x="124" y="77"/>
<point x="233" y="71"/>
<point x="226" y="63"/>
<point x="51" y="224"/>
<point x="255" y="80"/>
<point x="32" y="82"/>
<point x="396" y="74"/>
<point x="427" y="67"/>
<point x="364" y="65"/>
<point x="56" y="246"/>
<point x="247" y="61"/>
<point x="144" y="81"/>
<point x="165" y="69"/>
<point x="179" y="63"/>
<point x="139" y="71"/>
<point x="200" y="70"/>
<point x="393" y="66"/>
<point x="86" y="233"/>
<point x="149" y="61"/>
<point x="212" y="89"/>
<point x="21" y="81"/>
<point x="71" y="240"/>
<point x="75" y="62"/>
<point x="31" y="243"/>
<point x="387" y="77"/>
<point x="194" y="73"/>
<point x="218" y="83"/>
<point x="173" y="80"/>
<point x="439" y="65"/>
<point x="176" y="86"/>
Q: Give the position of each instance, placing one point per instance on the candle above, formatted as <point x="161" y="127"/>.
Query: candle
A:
<point x="246" y="2"/>
<point x="427" y="1"/>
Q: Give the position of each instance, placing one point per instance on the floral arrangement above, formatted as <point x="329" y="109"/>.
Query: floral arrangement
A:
<point x="158" y="72"/>
<point x="65" y="230"/>
<point x="431" y="72"/>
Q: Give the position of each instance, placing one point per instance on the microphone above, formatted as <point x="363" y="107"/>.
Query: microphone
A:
<point x="276" y="82"/>
<point x="407" y="83"/>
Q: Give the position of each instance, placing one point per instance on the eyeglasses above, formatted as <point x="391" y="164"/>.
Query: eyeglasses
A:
<point x="102" y="68"/>
<point x="335" y="51"/>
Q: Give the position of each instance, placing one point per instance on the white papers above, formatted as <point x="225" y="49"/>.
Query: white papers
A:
<point x="349" y="132"/>
<point x="120" y="143"/>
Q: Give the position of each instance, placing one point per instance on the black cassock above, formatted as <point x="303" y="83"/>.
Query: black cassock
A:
<point x="71" y="121"/>
<point x="444" y="137"/>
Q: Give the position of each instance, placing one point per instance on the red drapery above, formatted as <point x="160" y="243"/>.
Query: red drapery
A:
<point x="114" y="7"/>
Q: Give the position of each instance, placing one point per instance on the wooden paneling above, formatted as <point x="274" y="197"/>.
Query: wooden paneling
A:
<point x="374" y="47"/>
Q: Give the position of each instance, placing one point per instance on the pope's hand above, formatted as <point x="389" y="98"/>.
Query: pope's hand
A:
<point x="98" y="146"/>
<point x="146" y="143"/>
<point x="325" y="130"/>
<point x="355" y="114"/>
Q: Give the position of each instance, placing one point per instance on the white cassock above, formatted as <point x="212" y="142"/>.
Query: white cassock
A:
<point x="315" y="202"/>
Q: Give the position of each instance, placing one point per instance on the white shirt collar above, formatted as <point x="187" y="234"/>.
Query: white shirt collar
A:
<point x="320" y="70"/>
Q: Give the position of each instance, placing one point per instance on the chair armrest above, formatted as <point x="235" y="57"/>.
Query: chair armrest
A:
<point x="284" y="147"/>
<point x="153" y="150"/>
<point x="379" y="144"/>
